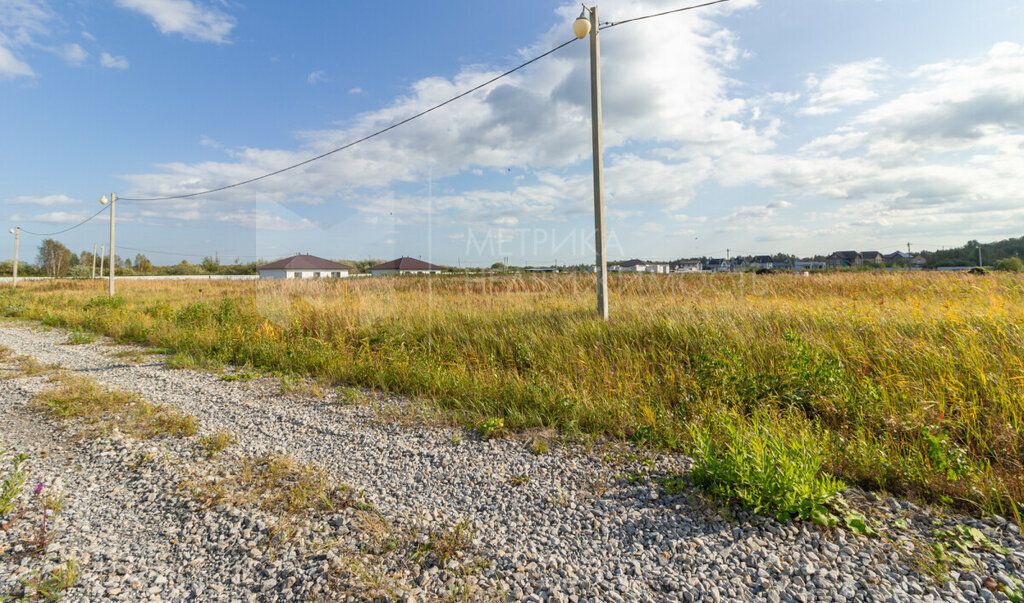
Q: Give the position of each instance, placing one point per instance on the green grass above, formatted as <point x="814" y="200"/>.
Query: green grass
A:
<point x="772" y="464"/>
<point x="916" y="378"/>
<point x="81" y="398"/>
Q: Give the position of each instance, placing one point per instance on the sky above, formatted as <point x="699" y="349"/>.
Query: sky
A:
<point x="748" y="127"/>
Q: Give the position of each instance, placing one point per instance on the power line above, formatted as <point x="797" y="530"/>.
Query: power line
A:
<point x="413" y="117"/>
<point x="48" y="234"/>
<point x="364" y="138"/>
<point x="668" y="12"/>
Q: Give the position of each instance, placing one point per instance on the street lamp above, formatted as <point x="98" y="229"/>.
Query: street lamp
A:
<point x="16" y="231"/>
<point x="581" y="27"/>
<point x="103" y="201"/>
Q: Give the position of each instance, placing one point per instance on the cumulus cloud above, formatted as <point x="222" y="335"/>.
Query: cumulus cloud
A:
<point x="47" y="200"/>
<point x="74" y="54"/>
<point x="845" y="85"/>
<point x="190" y="19"/>
<point x="11" y="66"/>
<point x="665" y="84"/>
<point x="316" y="77"/>
<point x="945" y="151"/>
<point x="21" y="22"/>
<point x="113" y="62"/>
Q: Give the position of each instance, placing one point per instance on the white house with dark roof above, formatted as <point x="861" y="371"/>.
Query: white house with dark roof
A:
<point x="304" y="266"/>
<point x="405" y="266"/>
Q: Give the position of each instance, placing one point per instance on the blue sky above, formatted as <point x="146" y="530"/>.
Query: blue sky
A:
<point x="758" y="126"/>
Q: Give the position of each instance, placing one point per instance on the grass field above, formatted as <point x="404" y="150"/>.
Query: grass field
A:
<point x="906" y="382"/>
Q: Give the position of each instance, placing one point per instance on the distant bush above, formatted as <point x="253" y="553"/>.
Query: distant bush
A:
<point x="1010" y="265"/>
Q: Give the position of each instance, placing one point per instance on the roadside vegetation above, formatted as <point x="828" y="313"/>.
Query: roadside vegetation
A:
<point x="911" y="383"/>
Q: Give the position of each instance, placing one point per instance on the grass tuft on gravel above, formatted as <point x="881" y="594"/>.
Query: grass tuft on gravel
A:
<point x="279" y="483"/>
<point x="81" y="398"/>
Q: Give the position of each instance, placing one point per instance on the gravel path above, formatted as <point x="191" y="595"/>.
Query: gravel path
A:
<point x="567" y="524"/>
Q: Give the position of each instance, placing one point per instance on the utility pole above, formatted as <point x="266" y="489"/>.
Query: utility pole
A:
<point x="14" y="268"/>
<point x="979" y="256"/>
<point x="113" y="259"/>
<point x="103" y="254"/>
<point x="908" y="248"/>
<point x="94" y="260"/>
<point x="581" y="28"/>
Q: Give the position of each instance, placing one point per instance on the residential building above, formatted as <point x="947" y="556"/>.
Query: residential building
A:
<point x="762" y="262"/>
<point x="845" y="259"/>
<point x="871" y="257"/>
<point x="687" y="266"/>
<point x="717" y="265"/>
<point x="405" y="265"/>
<point x="630" y="266"/>
<point x="304" y="266"/>
<point x="802" y="265"/>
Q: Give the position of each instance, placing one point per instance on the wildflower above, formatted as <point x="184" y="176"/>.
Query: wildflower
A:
<point x="39" y="488"/>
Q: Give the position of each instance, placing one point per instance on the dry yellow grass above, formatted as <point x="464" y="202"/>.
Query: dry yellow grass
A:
<point x="917" y="376"/>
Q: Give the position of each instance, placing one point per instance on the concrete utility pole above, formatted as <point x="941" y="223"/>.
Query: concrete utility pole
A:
<point x="14" y="268"/>
<point x="113" y="202"/>
<point x="103" y="254"/>
<point x="94" y="260"/>
<point x="580" y="28"/>
<point x="979" y="256"/>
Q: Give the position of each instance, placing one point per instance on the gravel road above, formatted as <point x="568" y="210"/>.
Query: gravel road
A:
<point x="567" y="524"/>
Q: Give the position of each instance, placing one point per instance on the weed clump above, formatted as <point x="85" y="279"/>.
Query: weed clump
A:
<point x="80" y="398"/>
<point x="769" y="463"/>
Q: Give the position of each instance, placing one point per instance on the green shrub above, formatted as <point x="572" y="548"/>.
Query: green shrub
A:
<point x="771" y="463"/>
<point x="1010" y="265"/>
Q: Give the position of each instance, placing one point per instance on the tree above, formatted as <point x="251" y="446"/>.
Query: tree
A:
<point x="142" y="263"/>
<point x="210" y="264"/>
<point x="54" y="258"/>
<point x="498" y="266"/>
<point x="1010" y="264"/>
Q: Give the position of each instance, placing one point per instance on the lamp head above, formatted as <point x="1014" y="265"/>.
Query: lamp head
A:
<point x="581" y="26"/>
<point x="103" y="200"/>
<point x="11" y="231"/>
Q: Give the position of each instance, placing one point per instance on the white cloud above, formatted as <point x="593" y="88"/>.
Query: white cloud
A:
<point x="942" y="154"/>
<point x="356" y="90"/>
<point x="316" y="77"/>
<point x="11" y="66"/>
<point x="47" y="200"/>
<point x="663" y="85"/>
<point x="21" y="21"/>
<point x="192" y="20"/>
<point x="54" y="217"/>
<point x="848" y="84"/>
<point x="113" y="62"/>
<point x="74" y="54"/>
<point x="261" y="219"/>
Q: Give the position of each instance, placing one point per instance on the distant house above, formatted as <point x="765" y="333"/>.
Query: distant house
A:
<point x="901" y="258"/>
<point x="304" y="266"/>
<point x="762" y="262"/>
<point x="717" y="265"/>
<point x="845" y="259"/>
<point x="405" y="266"/>
<point x="687" y="266"/>
<point x="802" y="265"/>
<point x="871" y="257"/>
<point x="630" y="266"/>
<point x="640" y="266"/>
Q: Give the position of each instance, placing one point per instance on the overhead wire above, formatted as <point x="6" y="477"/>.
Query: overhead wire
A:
<point x="49" y="234"/>
<point x="412" y="117"/>
<point x="364" y="138"/>
<point x="609" y="24"/>
<point x="372" y="135"/>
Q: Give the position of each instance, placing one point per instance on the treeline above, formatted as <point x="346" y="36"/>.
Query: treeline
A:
<point x="55" y="260"/>
<point x="967" y="255"/>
